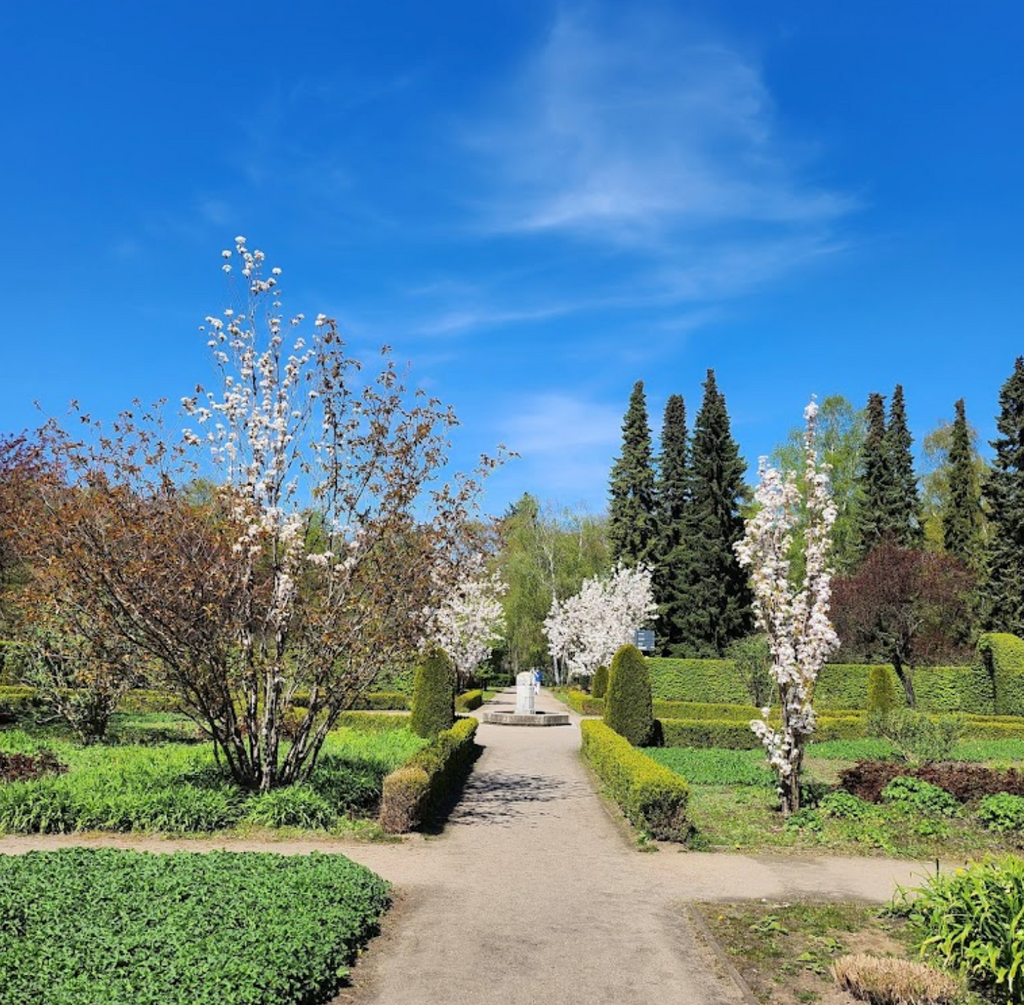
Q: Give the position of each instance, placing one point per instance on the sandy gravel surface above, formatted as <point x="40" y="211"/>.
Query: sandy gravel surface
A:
<point x="536" y="893"/>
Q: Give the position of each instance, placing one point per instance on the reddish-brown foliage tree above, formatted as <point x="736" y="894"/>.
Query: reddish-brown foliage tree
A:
<point x="906" y="607"/>
<point x="281" y="592"/>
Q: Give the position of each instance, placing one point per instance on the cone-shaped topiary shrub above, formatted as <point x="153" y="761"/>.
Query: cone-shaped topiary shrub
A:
<point x="628" y="707"/>
<point x="881" y="691"/>
<point x="433" y="696"/>
<point x="600" y="686"/>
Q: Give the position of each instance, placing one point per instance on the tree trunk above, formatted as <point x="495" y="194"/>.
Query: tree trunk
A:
<point x="905" y="672"/>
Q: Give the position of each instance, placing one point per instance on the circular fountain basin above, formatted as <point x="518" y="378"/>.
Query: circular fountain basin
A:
<point x="527" y="718"/>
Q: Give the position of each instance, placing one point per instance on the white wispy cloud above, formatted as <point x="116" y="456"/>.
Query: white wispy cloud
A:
<point x="636" y="132"/>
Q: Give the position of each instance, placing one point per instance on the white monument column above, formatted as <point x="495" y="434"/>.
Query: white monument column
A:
<point x="524" y="693"/>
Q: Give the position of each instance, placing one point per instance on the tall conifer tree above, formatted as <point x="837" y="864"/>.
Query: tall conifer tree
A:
<point x="716" y="603"/>
<point x="631" y="524"/>
<point x="961" y="520"/>
<point x="874" y="480"/>
<point x="903" y="502"/>
<point x="1003" y="587"/>
<point x="671" y="499"/>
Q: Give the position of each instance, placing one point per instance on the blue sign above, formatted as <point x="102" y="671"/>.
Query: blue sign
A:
<point x="644" y="639"/>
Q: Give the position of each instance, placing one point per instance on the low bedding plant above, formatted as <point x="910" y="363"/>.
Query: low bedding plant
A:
<point x="178" y="787"/>
<point x="733" y="803"/>
<point x="81" y="926"/>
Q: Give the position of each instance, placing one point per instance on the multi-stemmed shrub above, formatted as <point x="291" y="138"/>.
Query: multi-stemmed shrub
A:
<point x="433" y="696"/>
<point x="628" y="706"/>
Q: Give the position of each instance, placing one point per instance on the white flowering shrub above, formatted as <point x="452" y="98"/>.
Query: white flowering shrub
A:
<point x="587" y="630"/>
<point x="794" y="616"/>
<point x="470" y="621"/>
<point x="272" y="595"/>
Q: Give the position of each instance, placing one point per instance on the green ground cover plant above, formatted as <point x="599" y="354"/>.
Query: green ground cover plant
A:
<point x="83" y="926"/>
<point x="178" y="787"/>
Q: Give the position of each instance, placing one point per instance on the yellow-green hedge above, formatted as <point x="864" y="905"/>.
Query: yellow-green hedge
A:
<point x="415" y="790"/>
<point x="468" y="701"/>
<point x="651" y="796"/>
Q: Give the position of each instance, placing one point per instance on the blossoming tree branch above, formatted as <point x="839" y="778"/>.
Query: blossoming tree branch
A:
<point x="795" y="616"/>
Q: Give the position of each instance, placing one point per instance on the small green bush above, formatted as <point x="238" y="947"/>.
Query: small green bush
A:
<point x="628" y="704"/>
<point x="433" y="697"/>
<point x="417" y="788"/>
<point x="753" y="661"/>
<point x="600" y="686"/>
<point x="1002" y="812"/>
<point x="584" y="704"/>
<point x="843" y="806"/>
<point x="971" y="922"/>
<point x="922" y="796"/>
<point x="920" y="738"/>
<point x="653" y="797"/>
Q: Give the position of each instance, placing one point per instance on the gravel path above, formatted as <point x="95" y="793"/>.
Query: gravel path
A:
<point x="535" y="891"/>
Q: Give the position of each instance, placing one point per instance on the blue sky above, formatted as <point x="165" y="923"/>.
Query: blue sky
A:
<point x="535" y="203"/>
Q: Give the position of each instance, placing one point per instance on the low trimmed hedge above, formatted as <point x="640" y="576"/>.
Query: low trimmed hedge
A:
<point x="420" y="786"/>
<point x="697" y="680"/>
<point x="730" y="734"/>
<point x="373" y="722"/>
<point x="469" y="701"/>
<point x="584" y="704"/>
<point x="652" y="797"/>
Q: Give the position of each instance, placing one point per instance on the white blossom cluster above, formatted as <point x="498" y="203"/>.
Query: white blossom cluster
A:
<point x="471" y="621"/>
<point x="586" y="630"/>
<point x="794" y="616"/>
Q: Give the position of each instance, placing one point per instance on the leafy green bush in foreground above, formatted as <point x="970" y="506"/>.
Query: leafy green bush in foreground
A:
<point x="972" y="921"/>
<point x="81" y="926"/>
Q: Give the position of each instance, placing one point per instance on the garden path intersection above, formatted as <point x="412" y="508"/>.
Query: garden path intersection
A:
<point x="535" y="892"/>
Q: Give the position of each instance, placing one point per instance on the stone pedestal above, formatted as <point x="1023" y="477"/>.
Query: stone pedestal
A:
<point x="524" y="694"/>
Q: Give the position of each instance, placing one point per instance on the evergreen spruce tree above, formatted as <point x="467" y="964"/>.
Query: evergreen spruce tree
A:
<point x="903" y="503"/>
<point x="1003" y="572"/>
<point x="631" y="523"/>
<point x="671" y="497"/>
<point x="715" y="603"/>
<point x="874" y="479"/>
<point x="961" y="519"/>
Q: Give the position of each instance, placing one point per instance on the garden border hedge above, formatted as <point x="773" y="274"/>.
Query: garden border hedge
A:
<point x="418" y="788"/>
<point x="653" y="797"/>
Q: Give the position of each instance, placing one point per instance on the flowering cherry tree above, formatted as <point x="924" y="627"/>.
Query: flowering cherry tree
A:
<point x="470" y="622"/>
<point x="793" y="615"/>
<point x="587" y="629"/>
<point x="272" y="596"/>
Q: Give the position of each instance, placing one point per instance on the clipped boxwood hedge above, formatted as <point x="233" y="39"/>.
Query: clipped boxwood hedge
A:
<point x="374" y="722"/>
<point x="583" y="703"/>
<point x="420" y="786"/>
<point x="697" y="680"/>
<point x="730" y="734"/>
<point x="469" y="701"/>
<point x="1002" y="656"/>
<point x="651" y="796"/>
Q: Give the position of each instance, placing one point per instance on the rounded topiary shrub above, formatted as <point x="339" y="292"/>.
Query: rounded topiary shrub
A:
<point x="628" y="706"/>
<point x="600" y="686"/>
<point x="433" y="695"/>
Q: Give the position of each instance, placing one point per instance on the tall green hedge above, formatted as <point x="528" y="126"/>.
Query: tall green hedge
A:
<point x="628" y="707"/>
<point x="1003" y="658"/>
<point x="433" y="696"/>
<point x="600" y="686"/>
<point x="697" y="680"/>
